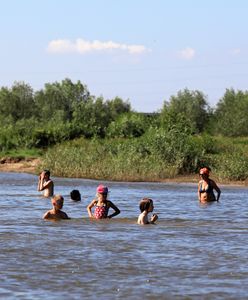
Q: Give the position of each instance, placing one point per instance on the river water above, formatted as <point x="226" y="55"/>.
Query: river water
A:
<point x="193" y="252"/>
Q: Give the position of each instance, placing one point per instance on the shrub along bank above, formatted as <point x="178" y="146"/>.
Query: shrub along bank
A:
<point x="152" y="157"/>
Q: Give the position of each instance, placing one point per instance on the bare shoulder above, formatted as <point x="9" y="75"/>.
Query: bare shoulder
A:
<point x="47" y="215"/>
<point x="64" y="215"/>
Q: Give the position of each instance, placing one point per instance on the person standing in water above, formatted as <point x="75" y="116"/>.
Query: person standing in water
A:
<point x="45" y="184"/>
<point x="102" y="205"/>
<point x="146" y="206"/>
<point x="206" y="187"/>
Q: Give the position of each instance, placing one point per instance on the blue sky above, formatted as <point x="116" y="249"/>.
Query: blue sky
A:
<point x="143" y="51"/>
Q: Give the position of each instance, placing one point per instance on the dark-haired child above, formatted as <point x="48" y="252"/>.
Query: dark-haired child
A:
<point x="146" y="206"/>
<point x="46" y="184"/>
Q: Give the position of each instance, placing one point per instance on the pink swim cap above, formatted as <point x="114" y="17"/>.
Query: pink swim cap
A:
<point x="101" y="189"/>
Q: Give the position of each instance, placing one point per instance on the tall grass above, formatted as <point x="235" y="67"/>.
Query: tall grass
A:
<point x="156" y="156"/>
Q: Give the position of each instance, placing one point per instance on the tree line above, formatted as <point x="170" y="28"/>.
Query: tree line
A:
<point x="63" y="111"/>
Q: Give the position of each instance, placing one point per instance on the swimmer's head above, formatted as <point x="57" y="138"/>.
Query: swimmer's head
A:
<point x="101" y="189"/>
<point x="146" y="204"/>
<point x="47" y="173"/>
<point x="75" y="195"/>
<point x="204" y="171"/>
<point x="57" y="201"/>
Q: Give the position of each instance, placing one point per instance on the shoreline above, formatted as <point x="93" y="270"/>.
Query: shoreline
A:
<point x="30" y="166"/>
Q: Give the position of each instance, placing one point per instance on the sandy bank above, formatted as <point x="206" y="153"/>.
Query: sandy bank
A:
<point x="28" y="165"/>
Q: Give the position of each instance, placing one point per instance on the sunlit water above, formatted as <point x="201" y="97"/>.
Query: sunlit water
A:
<point x="193" y="252"/>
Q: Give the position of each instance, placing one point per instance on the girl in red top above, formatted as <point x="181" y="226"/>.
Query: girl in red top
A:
<point x="101" y="205"/>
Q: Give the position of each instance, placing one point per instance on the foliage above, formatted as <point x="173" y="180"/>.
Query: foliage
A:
<point x="128" y="125"/>
<point x="187" y="107"/>
<point x="121" y="144"/>
<point x="231" y="115"/>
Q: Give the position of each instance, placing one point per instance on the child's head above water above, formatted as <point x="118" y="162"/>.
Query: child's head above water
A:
<point x="101" y="189"/>
<point x="75" y="195"/>
<point x="146" y="204"/>
<point x="47" y="172"/>
<point x="57" y="201"/>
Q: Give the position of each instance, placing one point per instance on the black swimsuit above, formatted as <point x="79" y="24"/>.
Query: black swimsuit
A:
<point x="209" y="190"/>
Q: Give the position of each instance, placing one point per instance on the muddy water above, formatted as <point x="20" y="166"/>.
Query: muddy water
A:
<point x="194" y="251"/>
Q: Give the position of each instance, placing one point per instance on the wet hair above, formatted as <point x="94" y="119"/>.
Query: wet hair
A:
<point x="58" y="199"/>
<point x="47" y="172"/>
<point x="145" y="204"/>
<point x="75" y="195"/>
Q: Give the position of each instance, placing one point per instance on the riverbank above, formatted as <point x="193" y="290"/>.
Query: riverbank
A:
<point x="27" y="165"/>
<point x="31" y="166"/>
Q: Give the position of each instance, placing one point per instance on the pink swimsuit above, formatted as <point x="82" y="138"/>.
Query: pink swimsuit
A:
<point x="101" y="212"/>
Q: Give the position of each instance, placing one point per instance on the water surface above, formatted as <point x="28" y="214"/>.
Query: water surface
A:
<point x="193" y="252"/>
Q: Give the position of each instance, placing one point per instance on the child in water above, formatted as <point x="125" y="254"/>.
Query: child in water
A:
<point x="45" y="184"/>
<point x="75" y="195"/>
<point x="146" y="206"/>
<point x="102" y="205"/>
<point x="56" y="213"/>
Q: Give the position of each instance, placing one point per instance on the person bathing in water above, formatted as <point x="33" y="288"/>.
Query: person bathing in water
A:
<point x="146" y="206"/>
<point x="102" y="204"/>
<point x="56" y="213"/>
<point x="206" y="187"/>
<point x="45" y="184"/>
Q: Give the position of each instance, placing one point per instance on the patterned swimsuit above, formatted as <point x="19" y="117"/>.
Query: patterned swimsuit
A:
<point x="101" y="212"/>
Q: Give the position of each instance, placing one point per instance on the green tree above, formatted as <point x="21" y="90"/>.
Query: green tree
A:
<point x="231" y="114"/>
<point x="17" y="102"/>
<point x="187" y="107"/>
<point x="63" y="97"/>
<point x="127" y="125"/>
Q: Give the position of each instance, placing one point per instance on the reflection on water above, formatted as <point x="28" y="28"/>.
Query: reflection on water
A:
<point x="193" y="252"/>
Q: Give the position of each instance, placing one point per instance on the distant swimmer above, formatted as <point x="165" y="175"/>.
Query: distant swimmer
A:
<point x="102" y="205"/>
<point x="75" y="195"/>
<point x="206" y="187"/>
<point x="146" y="206"/>
<point x="46" y="184"/>
<point x="56" y="213"/>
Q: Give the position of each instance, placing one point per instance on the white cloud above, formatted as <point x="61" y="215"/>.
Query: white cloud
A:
<point x="187" y="53"/>
<point x="82" y="46"/>
<point x="236" y="51"/>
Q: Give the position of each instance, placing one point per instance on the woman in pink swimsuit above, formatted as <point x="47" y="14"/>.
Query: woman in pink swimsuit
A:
<point x="102" y="205"/>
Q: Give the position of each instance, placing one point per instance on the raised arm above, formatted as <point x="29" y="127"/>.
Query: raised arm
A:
<point x="40" y="181"/>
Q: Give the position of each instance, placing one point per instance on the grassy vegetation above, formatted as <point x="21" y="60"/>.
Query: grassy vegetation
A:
<point x="141" y="160"/>
<point x="22" y="153"/>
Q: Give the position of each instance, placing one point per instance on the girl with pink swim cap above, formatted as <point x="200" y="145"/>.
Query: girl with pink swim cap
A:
<point x="102" y="205"/>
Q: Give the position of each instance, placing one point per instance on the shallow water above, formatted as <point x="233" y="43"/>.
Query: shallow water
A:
<point x="193" y="252"/>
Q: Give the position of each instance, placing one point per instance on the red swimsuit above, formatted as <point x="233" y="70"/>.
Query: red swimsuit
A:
<point x="101" y="212"/>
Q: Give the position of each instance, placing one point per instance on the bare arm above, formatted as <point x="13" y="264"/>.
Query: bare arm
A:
<point x="46" y="215"/>
<point x="89" y="207"/>
<point x="141" y="219"/>
<point x="45" y="185"/>
<point x="217" y="190"/>
<point x="154" y="218"/>
<point x="40" y="182"/>
<point x="115" y="208"/>
<point x="199" y="194"/>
